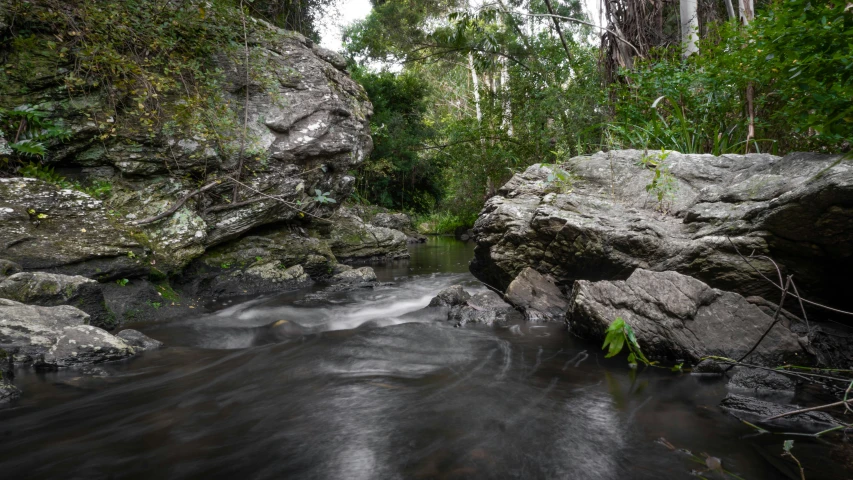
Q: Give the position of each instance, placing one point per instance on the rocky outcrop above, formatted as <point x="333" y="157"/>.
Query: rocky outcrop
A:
<point x="52" y="337"/>
<point x="450" y="297"/>
<point x="50" y="289"/>
<point x="307" y="128"/>
<point x="796" y="209"/>
<point x="63" y="231"/>
<point x="538" y="297"/>
<point x="680" y="318"/>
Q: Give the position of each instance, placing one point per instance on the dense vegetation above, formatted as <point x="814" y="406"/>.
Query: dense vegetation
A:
<point x="507" y="84"/>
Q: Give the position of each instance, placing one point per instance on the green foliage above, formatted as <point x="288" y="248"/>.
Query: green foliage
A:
<point x="122" y="282"/>
<point x="663" y="185"/>
<point x="154" y="305"/>
<point x="617" y="336"/>
<point x="399" y="174"/>
<point x="322" y="197"/>
<point x="167" y="292"/>
<point x="795" y="56"/>
<point x="101" y="189"/>
<point x="29" y="130"/>
<point x="442" y="222"/>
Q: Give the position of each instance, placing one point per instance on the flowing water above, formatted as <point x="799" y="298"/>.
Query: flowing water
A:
<point x="368" y="387"/>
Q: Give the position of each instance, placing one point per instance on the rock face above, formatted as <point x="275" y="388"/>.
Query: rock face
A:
<point x="450" y="297"/>
<point x="49" y="289"/>
<point x="308" y="126"/>
<point x="538" y="296"/>
<point x="63" y="231"/>
<point x="797" y="210"/>
<point x="395" y="221"/>
<point x="680" y="318"/>
<point x="51" y="337"/>
<point x="139" y="340"/>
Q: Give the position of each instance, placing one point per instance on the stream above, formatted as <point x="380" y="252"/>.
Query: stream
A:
<point x="368" y="387"/>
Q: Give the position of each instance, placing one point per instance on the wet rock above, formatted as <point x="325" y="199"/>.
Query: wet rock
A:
<point x="8" y="392"/>
<point x="64" y="231"/>
<point x="485" y="308"/>
<point x="709" y="367"/>
<point x="139" y="340"/>
<point x="757" y="411"/>
<point x="680" y="318"/>
<point x="85" y="345"/>
<point x="356" y="275"/>
<point x="8" y="268"/>
<point x="794" y="209"/>
<point x="450" y="297"/>
<point x="50" y="289"/>
<point x="538" y="296"/>
<point x="757" y="380"/>
<point x="141" y="300"/>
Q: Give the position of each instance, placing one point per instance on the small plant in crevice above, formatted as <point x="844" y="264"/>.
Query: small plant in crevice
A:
<point x="323" y="197"/>
<point x="122" y="282"/>
<point x="663" y="184"/>
<point x="559" y="178"/>
<point x="28" y="129"/>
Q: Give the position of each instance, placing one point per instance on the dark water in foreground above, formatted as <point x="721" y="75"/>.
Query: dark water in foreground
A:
<point x="369" y="390"/>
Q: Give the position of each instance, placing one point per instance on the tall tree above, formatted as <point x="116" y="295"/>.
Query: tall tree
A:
<point x="689" y="27"/>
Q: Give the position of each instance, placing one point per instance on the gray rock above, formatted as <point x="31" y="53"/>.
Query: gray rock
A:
<point x="757" y="380"/>
<point x="485" y="308"/>
<point x="50" y="289"/>
<point x="709" y="367"/>
<point x="680" y="318"/>
<point x="450" y="297"/>
<point x="64" y="231"/>
<point x="538" y="296"/>
<point x="756" y="411"/>
<point x="28" y="331"/>
<point x="396" y="221"/>
<point x="8" y="268"/>
<point x="51" y="337"/>
<point x="8" y="392"/>
<point x="350" y="238"/>
<point x="794" y="209"/>
<point x="308" y="127"/>
<point x="357" y="275"/>
<point x="85" y="345"/>
<point x="139" y="340"/>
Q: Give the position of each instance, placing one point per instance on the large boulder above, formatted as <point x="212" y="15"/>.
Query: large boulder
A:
<point x="682" y="319"/>
<point x="350" y="238"/>
<point x="797" y="209"/>
<point x="51" y="289"/>
<point x="538" y="296"/>
<point x="486" y="308"/>
<point x="64" y="231"/>
<point x="51" y="337"/>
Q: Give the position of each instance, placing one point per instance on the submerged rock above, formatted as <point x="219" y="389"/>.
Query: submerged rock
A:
<point x="795" y="209"/>
<point x="682" y="319"/>
<point x="50" y="289"/>
<point x="757" y="411"/>
<point x="485" y="308"/>
<point x="538" y="296"/>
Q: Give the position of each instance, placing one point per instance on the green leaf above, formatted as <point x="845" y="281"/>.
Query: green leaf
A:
<point x="788" y="445"/>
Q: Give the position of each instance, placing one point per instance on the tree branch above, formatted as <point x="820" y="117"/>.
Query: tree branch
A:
<point x="180" y="203"/>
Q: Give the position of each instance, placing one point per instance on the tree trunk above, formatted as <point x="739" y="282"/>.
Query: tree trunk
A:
<point x="476" y="88"/>
<point x="730" y="10"/>
<point x="746" y="10"/>
<point x="689" y="27"/>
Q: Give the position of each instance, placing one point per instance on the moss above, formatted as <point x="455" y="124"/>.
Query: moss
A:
<point x="168" y="293"/>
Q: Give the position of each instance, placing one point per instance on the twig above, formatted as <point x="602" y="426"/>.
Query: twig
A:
<point x="292" y="205"/>
<point x="569" y="19"/>
<point x="176" y="206"/>
<point x="780" y="286"/>
<point x="560" y="32"/>
<point x="772" y="324"/>
<point x="810" y="409"/>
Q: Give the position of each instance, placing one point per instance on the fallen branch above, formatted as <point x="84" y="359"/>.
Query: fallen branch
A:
<point x="180" y="203"/>
<point x="810" y="409"/>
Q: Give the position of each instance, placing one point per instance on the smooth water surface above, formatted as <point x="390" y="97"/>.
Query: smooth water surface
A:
<point x="368" y="387"/>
